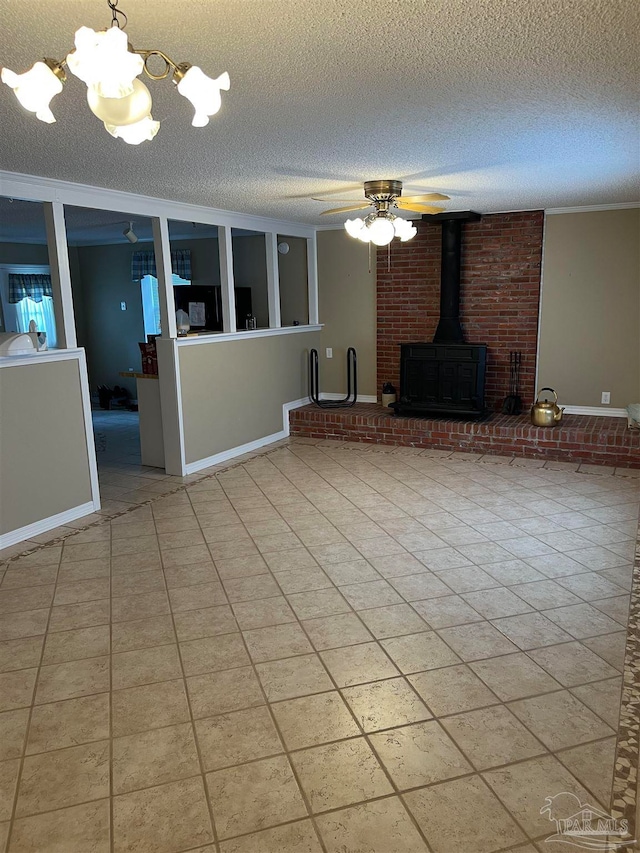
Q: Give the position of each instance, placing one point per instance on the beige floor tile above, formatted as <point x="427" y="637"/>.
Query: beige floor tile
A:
<point x="312" y="720"/>
<point x="277" y="641"/>
<point x="610" y="647"/>
<point x="154" y="757"/>
<point x="84" y="551"/>
<point x="582" y="620"/>
<point x="446" y="611"/>
<point x="298" y="837"/>
<point x="382" y="826"/>
<point x="344" y="629"/>
<point x="340" y="552"/>
<point x="9" y="771"/>
<point x="142" y="633"/>
<point x="164" y="819"/>
<point x="452" y="690"/>
<point x="21" y="653"/>
<point x="352" y="572"/>
<point x="25" y="598"/>
<point x="254" y="796"/>
<point x="299" y="676"/>
<point x="150" y="706"/>
<point x="617" y="608"/>
<point x="293" y="560"/>
<point x="340" y="774"/>
<point x="136" y="563"/>
<point x="191" y="575"/>
<point x="417" y="652"/>
<point x="377" y="593"/>
<point x="545" y="594"/>
<point x="74" y="721"/>
<point x="72" y="679"/>
<point x="592" y="765"/>
<point x="531" y="630"/>
<point x="24" y="624"/>
<point x="135" y="607"/>
<point x="572" y="664"/>
<point x="83" y="615"/>
<point x="302" y="580"/>
<point x="180" y="539"/>
<point x="492" y="736"/>
<point x="16" y="688"/>
<point x="321" y="602"/>
<point x="84" y="570"/>
<point x="542" y="714"/>
<point x="76" y="644"/>
<point x="13" y="730"/>
<point x="248" y="589"/>
<point x="78" y="829"/>
<point x="84" y="590"/>
<point x="418" y="587"/>
<point x="468" y="579"/>
<point x="209" y="622"/>
<point x="236" y="738"/>
<point x="494" y="603"/>
<point x="41" y="557"/>
<point x="463" y="815"/>
<point x="477" y="641"/>
<point x="17" y="578"/>
<point x="54" y="780"/>
<point x="145" y="666"/>
<point x="261" y="614"/>
<point x="213" y="653"/>
<point x="514" y="676"/>
<point x="137" y="583"/>
<point x="603" y="697"/>
<point x="221" y="692"/>
<point x="524" y="787"/>
<point x="385" y="704"/>
<point x="358" y="664"/>
<point x="185" y="556"/>
<point x="393" y="621"/>
<point x="241" y="567"/>
<point x="197" y="597"/>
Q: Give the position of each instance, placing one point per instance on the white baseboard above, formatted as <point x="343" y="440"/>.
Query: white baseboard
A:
<point x="38" y="527"/>
<point x="596" y="411"/>
<point x="362" y="398"/>
<point x="226" y="455"/>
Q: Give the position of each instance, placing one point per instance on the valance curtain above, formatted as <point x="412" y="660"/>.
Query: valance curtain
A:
<point x="144" y="263"/>
<point x="29" y="286"/>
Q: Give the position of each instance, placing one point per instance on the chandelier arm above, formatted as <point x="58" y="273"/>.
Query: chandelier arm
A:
<point x="170" y="67"/>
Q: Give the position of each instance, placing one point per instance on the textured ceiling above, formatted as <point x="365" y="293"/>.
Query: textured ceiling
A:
<point x="500" y="104"/>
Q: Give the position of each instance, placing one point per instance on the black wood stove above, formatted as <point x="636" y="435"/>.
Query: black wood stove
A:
<point x="445" y="377"/>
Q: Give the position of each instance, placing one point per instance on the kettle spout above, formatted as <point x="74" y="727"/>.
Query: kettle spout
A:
<point x="558" y="415"/>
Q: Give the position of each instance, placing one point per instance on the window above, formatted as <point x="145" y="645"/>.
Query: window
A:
<point x="18" y="314"/>
<point x="151" y="302"/>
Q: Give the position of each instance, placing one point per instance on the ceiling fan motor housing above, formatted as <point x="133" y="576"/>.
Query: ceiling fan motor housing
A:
<point x="381" y="191"/>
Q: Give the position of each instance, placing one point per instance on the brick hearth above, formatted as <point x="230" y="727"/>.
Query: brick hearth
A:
<point x="600" y="441"/>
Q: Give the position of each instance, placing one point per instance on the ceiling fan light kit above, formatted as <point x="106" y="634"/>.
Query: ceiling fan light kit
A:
<point x="381" y="226"/>
<point x="110" y="66"/>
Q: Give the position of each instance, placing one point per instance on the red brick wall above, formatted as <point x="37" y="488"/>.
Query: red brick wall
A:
<point x="500" y="294"/>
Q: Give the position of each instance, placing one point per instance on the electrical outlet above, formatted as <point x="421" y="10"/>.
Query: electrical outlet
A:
<point x="123" y="306"/>
<point x="329" y="352"/>
<point x="606" y="397"/>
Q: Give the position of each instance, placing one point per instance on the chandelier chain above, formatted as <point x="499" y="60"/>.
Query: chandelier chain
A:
<point x="115" y="20"/>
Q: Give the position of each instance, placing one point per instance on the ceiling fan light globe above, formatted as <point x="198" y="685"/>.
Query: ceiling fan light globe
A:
<point x="381" y="231"/>
<point x="204" y="93"/>
<point x="34" y="89"/>
<point x="354" y="227"/>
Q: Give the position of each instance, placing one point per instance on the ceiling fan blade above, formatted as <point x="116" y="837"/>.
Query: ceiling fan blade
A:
<point x="426" y="197"/>
<point x="327" y="200"/>
<point x="419" y="208"/>
<point x="346" y="209"/>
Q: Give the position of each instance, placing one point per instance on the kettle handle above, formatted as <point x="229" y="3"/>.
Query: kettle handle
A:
<point x="547" y="389"/>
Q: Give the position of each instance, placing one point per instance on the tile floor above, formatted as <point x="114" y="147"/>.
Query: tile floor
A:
<point x="321" y="649"/>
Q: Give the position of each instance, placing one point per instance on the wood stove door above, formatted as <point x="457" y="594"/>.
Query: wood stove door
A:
<point x="458" y="382"/>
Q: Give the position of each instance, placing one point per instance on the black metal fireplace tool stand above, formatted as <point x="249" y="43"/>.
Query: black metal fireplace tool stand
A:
<point x="352" y="382"/>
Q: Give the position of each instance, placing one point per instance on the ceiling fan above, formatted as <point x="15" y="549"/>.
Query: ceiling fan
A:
<point x="384" y="195"/>
<point x="382" y="225"/>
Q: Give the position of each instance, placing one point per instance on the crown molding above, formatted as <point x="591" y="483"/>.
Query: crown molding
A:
<point x="593" y="208"/>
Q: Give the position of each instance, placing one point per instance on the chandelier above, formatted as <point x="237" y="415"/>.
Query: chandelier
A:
<point x="380" y="228"/>
<point x="110" y="67"/>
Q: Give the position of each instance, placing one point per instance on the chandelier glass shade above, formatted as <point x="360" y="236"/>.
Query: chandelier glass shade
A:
<point x="110" y="66"/>
<point x="380" y="228"/>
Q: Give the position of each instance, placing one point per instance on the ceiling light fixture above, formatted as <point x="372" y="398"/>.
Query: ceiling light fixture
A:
<point x="110" y="66"/>
<point x="129" y="233"/>
<point x="380" y="228"/>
